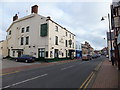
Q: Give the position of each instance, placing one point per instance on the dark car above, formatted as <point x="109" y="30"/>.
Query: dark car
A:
<point x="89" y="57"/>
<point x="25" y="58"/>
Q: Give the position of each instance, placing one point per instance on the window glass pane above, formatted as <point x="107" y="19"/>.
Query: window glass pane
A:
<point x="27" y="29"/>
<point x="43" y="30"/>
<point x="56" y="29"/>
<point x="56" y="40"/>
<point x="9" y="32"/>
<point x="46" y="54"/>
<point x="27" y="40"/>
<point x="22" y="30"/>
<point x="22" y="39"/>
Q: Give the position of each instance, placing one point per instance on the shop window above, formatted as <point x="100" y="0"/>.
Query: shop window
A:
<point x="13" y="53"/>
<point x="46" y="53"/>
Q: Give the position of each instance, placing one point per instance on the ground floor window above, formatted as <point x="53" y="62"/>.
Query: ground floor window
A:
<point x="41" y="52"/>
<point x="51" y="54"/>
<point x="56" y="53"/>
<point x="46" y="54"/>
<point x="13" y="53"/>
<point x="66" y="53"/>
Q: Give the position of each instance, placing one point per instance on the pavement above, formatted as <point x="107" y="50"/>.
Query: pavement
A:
<point x="107" y="76"/>
<point x="11" y="66"/>
<point x="6" y="63"/>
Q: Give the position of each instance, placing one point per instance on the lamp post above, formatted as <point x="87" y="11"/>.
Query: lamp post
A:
<point x="109" y="34"/>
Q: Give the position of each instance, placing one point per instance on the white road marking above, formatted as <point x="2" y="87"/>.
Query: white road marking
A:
<point x="26" y="80"/>
<point x="82" y="62"/>
<point x="67" y="67"/>
<point x="6" y="86"/>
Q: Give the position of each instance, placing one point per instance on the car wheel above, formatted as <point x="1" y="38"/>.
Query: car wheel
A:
<point x="26" y="61"/>
<point x="16" y="60"/>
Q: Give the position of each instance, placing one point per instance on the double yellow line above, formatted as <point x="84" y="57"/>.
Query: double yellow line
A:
<point x="87" y="81"/>
<point x="9" y="73"/>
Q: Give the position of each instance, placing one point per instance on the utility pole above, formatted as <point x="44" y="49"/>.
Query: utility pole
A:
<point x="111" y="54"/>
<point x="110" y="37"/>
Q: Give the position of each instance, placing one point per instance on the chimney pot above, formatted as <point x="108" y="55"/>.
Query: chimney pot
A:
<point x="34" y="9"/>
<point x="15" y="17"/>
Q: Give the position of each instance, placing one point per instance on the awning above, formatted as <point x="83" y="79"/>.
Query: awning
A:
<point x="118" y="39"/>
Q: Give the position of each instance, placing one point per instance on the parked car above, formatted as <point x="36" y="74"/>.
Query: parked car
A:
<point x="89" y="57"/>
<point x="107" y="56"/>
<point x="86" y="57"/>
<point x="94" y="56"/>
<point x="25" y="58"/>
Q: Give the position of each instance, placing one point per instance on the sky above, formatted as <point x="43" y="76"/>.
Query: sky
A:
<point x="81" y="17"/>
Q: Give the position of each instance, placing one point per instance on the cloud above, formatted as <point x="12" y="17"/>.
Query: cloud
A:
<point x="56" y="1"/>
<point x="2" y="35"/>
<point x="81" y="18"/>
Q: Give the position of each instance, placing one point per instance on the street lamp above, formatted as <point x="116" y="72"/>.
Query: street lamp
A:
<point x="110" y="34"/>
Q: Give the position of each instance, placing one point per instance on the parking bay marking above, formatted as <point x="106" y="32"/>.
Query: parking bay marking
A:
<point x="26" y="80"/>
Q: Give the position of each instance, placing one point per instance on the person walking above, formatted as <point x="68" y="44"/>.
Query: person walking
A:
<point x="112" y="59"/>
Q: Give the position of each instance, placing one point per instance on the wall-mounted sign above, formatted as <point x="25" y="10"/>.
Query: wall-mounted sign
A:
<point x="70" y="42"/>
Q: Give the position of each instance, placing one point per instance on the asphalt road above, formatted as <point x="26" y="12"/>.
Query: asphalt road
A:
<point x="65" y="75"/>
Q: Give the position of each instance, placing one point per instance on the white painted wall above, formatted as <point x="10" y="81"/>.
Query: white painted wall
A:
<point x="34" y="22"/>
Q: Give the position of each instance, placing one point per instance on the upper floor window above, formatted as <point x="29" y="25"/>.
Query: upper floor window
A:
<point x="9" y="32"/>
<point x="44" y="29"/>
<point x="56" y="40"/>
<point x="66" y="33"/>
<point x="27" y="29"/>
<point x="66" y="43"/>
<point x="22" y="40"/>
<point x="27" y="40"/>
<point x="56" y="28"/>
<point x="73" y="45"/>
<point x="22" y="30"/>
<point x="73" y="37"/>
<point x="70" y="35"/>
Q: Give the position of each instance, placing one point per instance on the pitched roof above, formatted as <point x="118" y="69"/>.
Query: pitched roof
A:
<point x="23" y="18"/>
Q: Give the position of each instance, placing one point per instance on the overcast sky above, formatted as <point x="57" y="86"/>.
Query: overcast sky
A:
<point x="80" y="17"/>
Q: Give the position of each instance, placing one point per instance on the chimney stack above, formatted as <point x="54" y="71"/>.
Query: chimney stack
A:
<point x="34" y="9"/>
<point x="15" y="17"/>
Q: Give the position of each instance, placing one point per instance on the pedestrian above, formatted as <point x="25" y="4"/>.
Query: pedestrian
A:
<point x="112" y="59"/>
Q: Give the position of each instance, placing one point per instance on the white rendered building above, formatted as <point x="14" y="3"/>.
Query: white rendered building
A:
<point x="40" y="37"/>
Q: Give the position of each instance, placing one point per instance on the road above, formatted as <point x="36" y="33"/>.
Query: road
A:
<point x="65" y="75"/>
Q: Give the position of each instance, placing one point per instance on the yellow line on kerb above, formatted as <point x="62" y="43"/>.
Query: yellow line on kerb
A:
<point x="86" y="80"/>
<point x="89" y="81"/>
<point x="9" y="73"/>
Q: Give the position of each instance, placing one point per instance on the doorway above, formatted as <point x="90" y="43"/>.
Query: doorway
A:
<point x="56" y="53"/>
